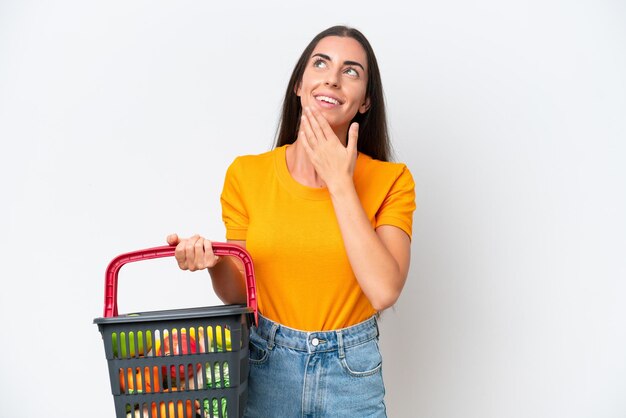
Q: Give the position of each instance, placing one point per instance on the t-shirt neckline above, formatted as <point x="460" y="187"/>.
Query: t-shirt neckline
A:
<point x="298" y="189"/>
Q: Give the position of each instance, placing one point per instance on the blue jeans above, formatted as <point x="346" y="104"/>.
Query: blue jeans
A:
<point x="315" y="374"/>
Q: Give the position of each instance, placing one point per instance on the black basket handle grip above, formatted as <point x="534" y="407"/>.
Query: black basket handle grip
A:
<point x="219" y="248"/>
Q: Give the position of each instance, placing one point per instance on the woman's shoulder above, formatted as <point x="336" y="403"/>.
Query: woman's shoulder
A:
<point x="254" y="162"/>
<point x="371" y="166"/>
<point x="376" y="179"/>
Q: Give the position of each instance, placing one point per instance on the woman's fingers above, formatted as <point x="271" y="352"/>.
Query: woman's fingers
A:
<point x="194" y="253"/>
<point x="198" y="260"/>
<point x="353" y="136"/>
<point x="190" y="252"/>
<point x="210" y="259"/>
<point x="313" y="125"/>
<point x="172" y="239"/>
<point x="307" y="145"/>
<point x="320" y="125"/>
<point x="307" y="131"/>
<point x="180" y="255"/>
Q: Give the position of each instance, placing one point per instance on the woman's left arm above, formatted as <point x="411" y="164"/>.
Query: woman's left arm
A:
<point x="379" y="258"/>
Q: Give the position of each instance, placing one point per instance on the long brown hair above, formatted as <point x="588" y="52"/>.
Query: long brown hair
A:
<point x="373" y="135"/>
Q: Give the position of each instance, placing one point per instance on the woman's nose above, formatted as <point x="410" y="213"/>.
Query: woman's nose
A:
<point x="332" y="80"/>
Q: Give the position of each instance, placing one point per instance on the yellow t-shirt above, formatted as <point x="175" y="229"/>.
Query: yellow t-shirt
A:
<point x="303" y="275"/>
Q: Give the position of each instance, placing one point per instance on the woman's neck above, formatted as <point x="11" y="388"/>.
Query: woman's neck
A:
<point x="300" y="166"/>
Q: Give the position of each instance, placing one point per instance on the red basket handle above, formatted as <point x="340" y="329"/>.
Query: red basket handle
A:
<point x="219" y="248"/>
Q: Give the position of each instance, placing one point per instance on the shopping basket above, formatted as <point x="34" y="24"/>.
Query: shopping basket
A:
<point x="178" y="363"/>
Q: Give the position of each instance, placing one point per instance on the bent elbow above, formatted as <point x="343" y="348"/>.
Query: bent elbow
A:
<point x="382" y="302"/>
<point x="386" y="290"/>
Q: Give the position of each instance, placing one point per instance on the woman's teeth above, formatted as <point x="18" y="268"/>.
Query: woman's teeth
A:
<point x="327" y="99"/>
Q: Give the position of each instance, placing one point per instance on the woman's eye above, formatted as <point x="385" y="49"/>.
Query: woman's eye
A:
<point x="352" y="72"/>
<point x="319" y="63"/>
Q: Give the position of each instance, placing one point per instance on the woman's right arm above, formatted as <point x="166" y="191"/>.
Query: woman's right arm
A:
<point x="227" y="273"/>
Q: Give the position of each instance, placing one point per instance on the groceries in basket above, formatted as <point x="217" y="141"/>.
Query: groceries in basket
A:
<point x="175" y="410"/>
<point x="216" y="341"/>
<point x="179" y="409"/>
<point x="181" y="376"/>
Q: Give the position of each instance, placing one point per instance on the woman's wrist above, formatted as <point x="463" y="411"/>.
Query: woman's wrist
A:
<point x="218" y="261"/>
<point x="340" y="186"/>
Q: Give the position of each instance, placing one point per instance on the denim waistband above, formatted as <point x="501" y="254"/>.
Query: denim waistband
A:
<point x="316" y="341"/>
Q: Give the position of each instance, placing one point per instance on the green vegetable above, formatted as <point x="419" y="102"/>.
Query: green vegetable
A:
<point x="214" y="407"/>
<point x="218" y="378"/>
<point x="140" y="344"/>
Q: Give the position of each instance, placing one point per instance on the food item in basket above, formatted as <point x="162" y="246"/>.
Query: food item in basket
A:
<point x="187" y="346"/>
<point x="220" y="345"/>
<point x="138" y="383"/>
<point x="137" y="413"/>
<point x="217" y="343"/>
<point x="175" y="409"/>
<point x="167" y="351"/>
<point x="211" y="409"/>
<point x="134" y="381"/>
<point x="185" y="379"/>
<point x="218" y="382"/>
<point x="183" y="410"/>
<point x="127" y="344"/>
<point x="122" y="381"/>
<point x="142" y="347"/>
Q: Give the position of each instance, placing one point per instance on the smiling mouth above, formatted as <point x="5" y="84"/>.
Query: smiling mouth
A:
<point x="327" y="99"/>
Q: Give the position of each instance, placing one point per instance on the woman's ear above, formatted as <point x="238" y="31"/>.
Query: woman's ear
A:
<point x="365" y="106"/>
<point x="297" y="89"/>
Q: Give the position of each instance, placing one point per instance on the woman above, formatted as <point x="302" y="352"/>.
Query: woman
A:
<point x="327" y="221"/>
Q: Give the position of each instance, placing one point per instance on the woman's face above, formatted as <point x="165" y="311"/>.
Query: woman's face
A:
<point x="335" y="81"/>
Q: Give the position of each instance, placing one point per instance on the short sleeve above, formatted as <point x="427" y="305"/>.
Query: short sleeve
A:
<point x="399" y="204"/>
<point x="234" y="212"/>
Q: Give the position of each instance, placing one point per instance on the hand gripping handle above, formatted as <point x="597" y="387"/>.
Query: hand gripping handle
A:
<point x="219" y="248"/>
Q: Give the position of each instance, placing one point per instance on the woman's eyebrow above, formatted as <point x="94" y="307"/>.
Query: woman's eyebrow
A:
<point x="326" y="57"/>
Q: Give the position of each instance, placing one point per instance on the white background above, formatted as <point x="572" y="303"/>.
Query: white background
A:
<point x="119" y="118"/>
